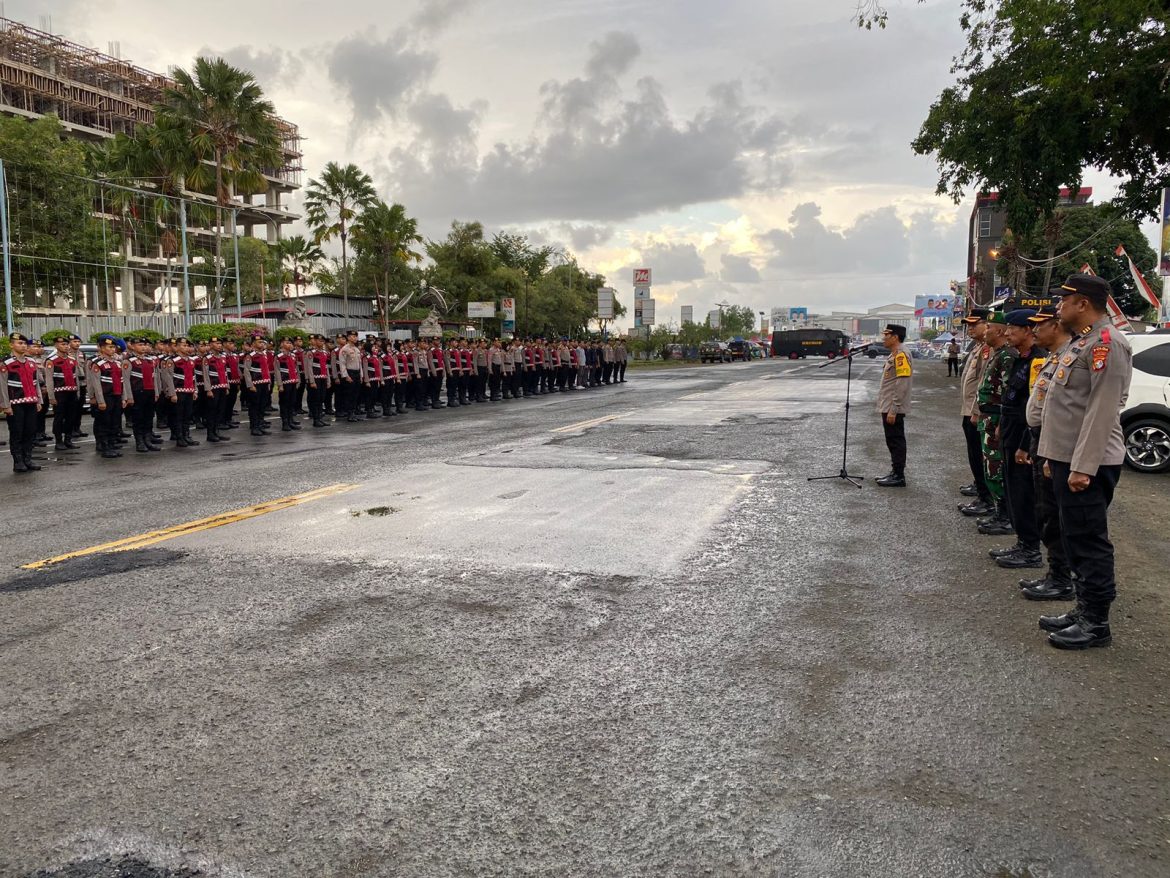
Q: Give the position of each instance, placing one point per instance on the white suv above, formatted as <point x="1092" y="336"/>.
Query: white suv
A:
<point x="1145" y="420"/>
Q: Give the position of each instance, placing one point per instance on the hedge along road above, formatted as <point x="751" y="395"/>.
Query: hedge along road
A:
<point x="613" y="633"/>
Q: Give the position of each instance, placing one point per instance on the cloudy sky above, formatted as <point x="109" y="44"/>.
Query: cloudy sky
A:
<point x="748" y="152"/>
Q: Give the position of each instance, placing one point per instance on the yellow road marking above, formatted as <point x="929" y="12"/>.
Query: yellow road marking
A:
<point x="169" y="533"/>
<point x="584" y="425"/>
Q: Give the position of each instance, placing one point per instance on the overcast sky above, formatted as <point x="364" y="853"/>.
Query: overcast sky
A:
<point x="748" y="152"/>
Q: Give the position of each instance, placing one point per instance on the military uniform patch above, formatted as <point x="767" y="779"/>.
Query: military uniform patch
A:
<point x="901" y="365"/>
<point x="1100" y="356"/>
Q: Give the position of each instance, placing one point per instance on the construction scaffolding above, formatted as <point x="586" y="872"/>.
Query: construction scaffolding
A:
<point x="97" y="95"/>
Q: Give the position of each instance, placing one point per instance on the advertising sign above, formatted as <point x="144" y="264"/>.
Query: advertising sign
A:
<point x="641" y="293"/>
<point x="641" y="277"/>
<point x="508" y="306"/>
<point x="934" y="306"/>
<point x="1164" y="261"/>
<point x="605" y="303"/>
<point x="507" y="326"/>
<point x="647" y="312"/>
<point x="476" y="310"/>
<point x="798" y="315"/>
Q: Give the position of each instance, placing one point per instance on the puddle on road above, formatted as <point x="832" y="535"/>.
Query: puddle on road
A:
<point x="376" y="511"/>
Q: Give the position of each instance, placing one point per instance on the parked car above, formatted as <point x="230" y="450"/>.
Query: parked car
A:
<point x="714" y="352"/>
<point x="672" y="352"/>
<point x="1145" y="420"/>
<point x="739" y="349"/>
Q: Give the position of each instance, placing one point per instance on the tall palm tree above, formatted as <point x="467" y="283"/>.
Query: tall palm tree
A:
<point x="332" y="202"/>
<point x="228" y="123"/>
<point x="387" y="237"/>
<point x="300" y="256"/>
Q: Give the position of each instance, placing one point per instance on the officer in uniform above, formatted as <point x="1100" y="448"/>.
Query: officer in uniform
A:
<point x="990" y="401"/>
<point x="454" y="372"/>
<point x="144" y="386"/>
<point x="257" y="384"/>
<point x="1015" y="437"/>
<point x="496" y="376"/>
<point x="216" y="383"/>
<point x="20" y="400"/>
<point x="1081" y="441"/>
<point x="1056" y="584"/>
<point x="894" y="403"/>
<point x="61" y="380"/>
<point x="973" y="369"/>
<point x="185" y="369"/>
<point x="109" y="393"/>
<point x="288" y="379"/>
<point x="315" y="367"/>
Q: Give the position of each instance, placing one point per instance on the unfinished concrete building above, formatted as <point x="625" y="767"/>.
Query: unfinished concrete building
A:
<point x="98" y="95"/>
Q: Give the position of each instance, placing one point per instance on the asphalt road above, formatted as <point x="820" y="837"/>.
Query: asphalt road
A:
<point x="608" y="633"/>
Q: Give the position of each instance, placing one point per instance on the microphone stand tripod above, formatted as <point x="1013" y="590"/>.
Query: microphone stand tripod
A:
<point x="844" y="473"/>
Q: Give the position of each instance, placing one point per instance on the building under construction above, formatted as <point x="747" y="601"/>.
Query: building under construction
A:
<point x="97" y="95"/>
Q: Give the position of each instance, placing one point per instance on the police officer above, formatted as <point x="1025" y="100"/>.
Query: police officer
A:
<point x="109" y="393"/>
<point x="893" y="403"/>
<point x="990" y="400"/>
<point x="977" y="356"/>
<point x="185" y="369"/>
<point x="1056" y="584"/>
<point x="61" y="379"/>
<point x="144" y="386"/>
<point x="288" y="379"/>
<point x="315" y="367"/>
<point x="20" y="400"/>
<point x="1081" y="441"/>
<point x="1015" y="437"/>
<point x="216" y="379"/>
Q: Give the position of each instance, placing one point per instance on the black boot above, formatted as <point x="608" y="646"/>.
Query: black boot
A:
<point x="971" y="490"/>
<point x="18" y="464"/>
<point x="293" y="423"/>
<point x="190" y="442"/>
<point x="976" y="509"/>
<point x="180" y="442"/>
<point x="30" y="464"/>
<point x="1090" y="629"/>
<point x="59" y="444"/>
<point x="140" y="444"/>
<point x="893" y="480"/>
<point x="1001" y="552"/>
<point x="1048" y="589"/>
<point x="1025" y="557"/>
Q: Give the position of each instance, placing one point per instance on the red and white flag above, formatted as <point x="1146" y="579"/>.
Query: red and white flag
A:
<point x="1118" y="318"/>
<point x="1139" y="282"/>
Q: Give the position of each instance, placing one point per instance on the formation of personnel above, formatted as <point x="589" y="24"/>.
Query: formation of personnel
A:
<point x="1041" y="397"/>
<point x="180" y="385"/>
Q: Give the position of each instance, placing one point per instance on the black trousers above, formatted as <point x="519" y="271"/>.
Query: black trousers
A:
<point x="214" y="408"/>
<point x="622" y="370"/>
<point x="350" y="392"/>
<point x="1019" y="488"/>
<point x="317" y="390"/>
<point x="952" y="367"/>
<point x="142" y="414"/>
<point x="288" y="402"/>
<point x="1048" y="522"/>
<point x="389" y="388"/>
<point x="22" y="430"/>
<point x="107" y="425"/>
<point x="66" y="412"/>
<point x="229" y="405"/>
<point x="453" y="384"/>
<point x="184" y="414"/>
<point x="495" y="380"/>
<point x="975" y="458"/>
<point x="300" y="396"/>
<point x="435" y="386"/>
<point x="257" y="401"/>
<point x="896" y="442"/>
<point x="43" y="415"/>
<point x="1084" y="528"/>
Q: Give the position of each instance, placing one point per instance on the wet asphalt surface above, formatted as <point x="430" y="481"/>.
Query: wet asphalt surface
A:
<point x="646" y="646"/>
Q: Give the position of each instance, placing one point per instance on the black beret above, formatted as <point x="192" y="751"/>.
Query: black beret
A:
<point x="1020" y="316"/>
<point x="1095" y="289"/>
<point x="16" y="336"/>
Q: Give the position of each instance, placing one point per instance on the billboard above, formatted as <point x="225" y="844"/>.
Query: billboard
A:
<point x="934" y="312"/>
<point x="605" y="303"/>
<point x="481" y="309"/>
<point x="798" y="315"/>
<point x="641" y="277"/>
<point x="1164" y="261"/>
<point x="508" y="306"/>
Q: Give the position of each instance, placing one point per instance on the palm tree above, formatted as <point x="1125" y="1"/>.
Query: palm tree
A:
<point x="227" y="122"/>
<point x="300" y="256"/>
<point x="331" y="203"/>
<point x="386" y="236"/>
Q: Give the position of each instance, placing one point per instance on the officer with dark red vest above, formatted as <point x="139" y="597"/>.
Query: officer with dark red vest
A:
<point x="318" y="378"/>
<point x="288" y="379"/>
<point x="216" y="378"/>
<point x="233" y="392"/>
<point x="110" y="393"/>
<point x="185" y="366"/>
<point x="438" y="367"/>
<point x="61" y="380"/>
<point x="390" y="380"/>
<point x="20" y="400"/>
<point x="144" y="385"/>
<point x="258" y="385"/>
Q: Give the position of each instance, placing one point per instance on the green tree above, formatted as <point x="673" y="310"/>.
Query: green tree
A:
<point x="1083" y="236"/>
<point x="229" y="123"/>
<point x="332" y="202"/>
<point x="464" y="267"/>
<point x="736" y="320"/>
<point x="300" y="259"/>
<point x="261" y="275"/>
<point x="1046" y="89"/>
<point x="52" y="226"/>
<point x="386" y="242"/>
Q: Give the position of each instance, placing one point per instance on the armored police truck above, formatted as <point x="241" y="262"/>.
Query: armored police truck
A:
<point x="796" y="344"/>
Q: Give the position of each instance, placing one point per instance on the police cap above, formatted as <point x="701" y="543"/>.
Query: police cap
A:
<point x="1043" y="314"/>
<point x="1020" y="316"/>
<point x="1093" y="288"/>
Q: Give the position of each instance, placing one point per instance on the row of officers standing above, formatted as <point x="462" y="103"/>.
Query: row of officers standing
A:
<point x="1042" y="392"/>
<point x="182" y="385"/>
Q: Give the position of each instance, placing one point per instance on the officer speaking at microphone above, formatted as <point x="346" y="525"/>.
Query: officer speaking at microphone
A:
<point x="1081" y="441"/>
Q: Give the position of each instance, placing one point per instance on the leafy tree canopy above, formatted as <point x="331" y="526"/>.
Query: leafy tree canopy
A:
<point x="1046" y="89"/>
<point x="256" y="256"/>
